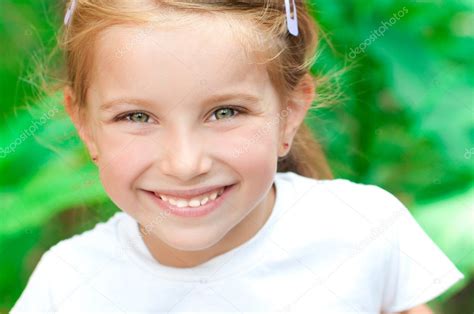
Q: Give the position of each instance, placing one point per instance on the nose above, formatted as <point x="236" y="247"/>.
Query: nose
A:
<point x="185" y="156"/>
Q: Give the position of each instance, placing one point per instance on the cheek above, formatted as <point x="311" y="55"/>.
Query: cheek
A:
<point x="123" y="158"/>
<point x="257" y="142"/>
<point x="254" y="147"/>
<point x="253" y="156"/>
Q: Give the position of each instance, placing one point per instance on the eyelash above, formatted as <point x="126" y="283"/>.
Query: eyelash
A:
<point x="125" y="117"/>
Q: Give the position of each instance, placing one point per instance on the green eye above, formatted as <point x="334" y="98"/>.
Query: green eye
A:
<point x="138" y="116"/>
<point x="226" y="112"/>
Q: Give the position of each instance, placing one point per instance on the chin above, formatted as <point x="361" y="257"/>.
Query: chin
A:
<point x="192" y="242"/>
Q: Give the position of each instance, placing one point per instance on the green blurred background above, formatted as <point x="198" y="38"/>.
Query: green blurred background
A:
<point x="405" y="123"/>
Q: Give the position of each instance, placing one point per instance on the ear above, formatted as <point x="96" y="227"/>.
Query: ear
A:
<point x="297" y="106"/>
<point x="79" y="122"/>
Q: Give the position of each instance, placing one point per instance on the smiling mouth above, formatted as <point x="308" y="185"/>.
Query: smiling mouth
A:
<point x="196" y="201"/>
<point x="188" y="208"/>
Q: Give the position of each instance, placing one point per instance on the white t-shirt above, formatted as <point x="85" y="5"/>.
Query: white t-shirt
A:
<point x="329" y="246"/>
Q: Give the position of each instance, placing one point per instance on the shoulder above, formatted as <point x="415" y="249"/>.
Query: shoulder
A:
<point x="338" y="224"/>
<point x="93" y="240"/>
<point x="364" y="239"/>
<point x="341" y="217"/>
<point x="337" y="214"/>
<point x="335" y="197"/>
<point x="92" y="246"/>
<point x="69" y="264"/>
<point x="84" y="252"/>
<point x="90" y="241"/>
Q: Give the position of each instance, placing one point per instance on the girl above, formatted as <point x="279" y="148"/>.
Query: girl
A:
<point x="220" y="213"/>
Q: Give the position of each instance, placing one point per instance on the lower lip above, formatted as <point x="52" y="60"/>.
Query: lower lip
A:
<point x="200" y="211"/>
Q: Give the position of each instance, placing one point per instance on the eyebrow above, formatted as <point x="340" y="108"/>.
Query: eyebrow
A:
<point x="213" y="99"/>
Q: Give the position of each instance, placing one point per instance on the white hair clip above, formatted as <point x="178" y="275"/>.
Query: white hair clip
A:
<point x="291" y="23"/>
<point x="69" y="12"/>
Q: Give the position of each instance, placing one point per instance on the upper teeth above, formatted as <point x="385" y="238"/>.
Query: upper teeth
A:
<point x="195" y="201"/>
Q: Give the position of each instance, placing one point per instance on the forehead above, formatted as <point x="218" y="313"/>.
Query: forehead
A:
<point x="204" y="55"/>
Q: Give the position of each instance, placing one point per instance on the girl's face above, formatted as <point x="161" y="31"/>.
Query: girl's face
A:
<point x="155" y="124"/>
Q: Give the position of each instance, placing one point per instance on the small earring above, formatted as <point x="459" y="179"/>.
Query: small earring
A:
<point x="285" y="147"/>
<point x="94" y="158"/>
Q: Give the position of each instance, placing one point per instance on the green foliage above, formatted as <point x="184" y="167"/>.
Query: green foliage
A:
<point x="405" y="124"/>
<point x="55" y="181"/>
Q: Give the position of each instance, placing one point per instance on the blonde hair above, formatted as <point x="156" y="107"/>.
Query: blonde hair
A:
<point x="263" y="33"/>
